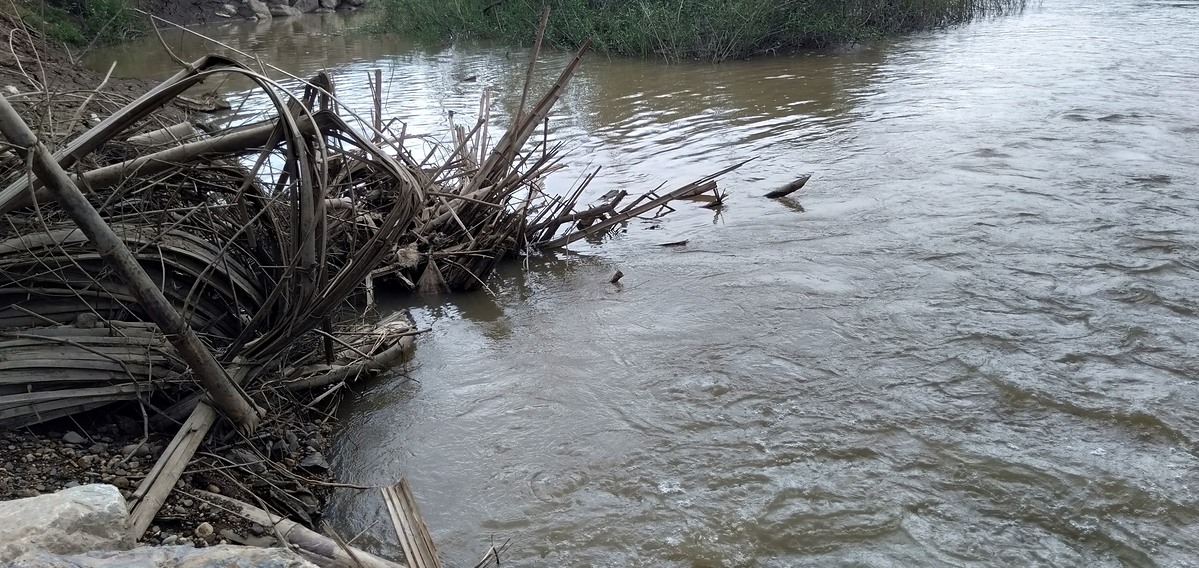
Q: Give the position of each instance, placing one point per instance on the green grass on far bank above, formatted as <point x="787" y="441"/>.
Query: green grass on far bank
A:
<point x="685" y="29"/>
<point x="82" y="22"/>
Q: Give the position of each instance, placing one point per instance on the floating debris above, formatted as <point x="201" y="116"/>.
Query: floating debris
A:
<point x="790" y="188"/>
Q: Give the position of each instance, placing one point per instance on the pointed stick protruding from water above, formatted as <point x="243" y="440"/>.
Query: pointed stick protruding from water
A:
<point x="616" y="277"/>
<point x="790" y="188"/>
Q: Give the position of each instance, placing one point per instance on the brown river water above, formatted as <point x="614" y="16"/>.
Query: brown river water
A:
<point x="972" y="340"/>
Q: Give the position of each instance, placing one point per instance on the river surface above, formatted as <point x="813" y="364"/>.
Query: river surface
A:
<point x="972" y="339"/>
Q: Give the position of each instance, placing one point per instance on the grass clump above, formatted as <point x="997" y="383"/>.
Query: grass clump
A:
<point x="685" y="29"/>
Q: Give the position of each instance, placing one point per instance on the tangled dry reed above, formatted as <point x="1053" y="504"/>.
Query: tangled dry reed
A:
<point x="267" y="239"/>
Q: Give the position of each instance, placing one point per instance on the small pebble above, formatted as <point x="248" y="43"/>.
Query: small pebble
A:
<point x="204" y="530"/>
<point x="74" y="438"/>
<point x="170" y="539"/>
<point x="213" y="489"/>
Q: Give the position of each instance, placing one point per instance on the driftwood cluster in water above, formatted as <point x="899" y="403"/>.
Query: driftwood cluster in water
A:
<point x="185" y="273"/>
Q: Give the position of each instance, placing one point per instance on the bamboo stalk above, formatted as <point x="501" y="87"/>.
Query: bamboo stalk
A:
<point x="339" y="555"/>
<point x="419" y="550"/>
<point x="224" y="393"/>
<point x="149" y="496"/>
<point x="331" y="374"/>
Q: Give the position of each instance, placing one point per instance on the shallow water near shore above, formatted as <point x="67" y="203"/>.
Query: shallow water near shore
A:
<point x="970" y="340"/>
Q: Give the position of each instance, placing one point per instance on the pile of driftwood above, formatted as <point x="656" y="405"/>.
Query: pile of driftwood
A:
<point x="189" y="272"/>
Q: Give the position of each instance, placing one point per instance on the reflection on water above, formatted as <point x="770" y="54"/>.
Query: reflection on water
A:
<point x="975" y="345"/>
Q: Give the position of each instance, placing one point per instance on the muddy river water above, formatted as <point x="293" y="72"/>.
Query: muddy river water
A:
<point x="972" y="339"/>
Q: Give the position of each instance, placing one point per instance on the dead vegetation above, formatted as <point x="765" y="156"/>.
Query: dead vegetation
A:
<point x="181" y="272"/>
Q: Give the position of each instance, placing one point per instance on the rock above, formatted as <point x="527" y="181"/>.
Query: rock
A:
<point x="315" y="463"/>
<point x="170" y="557"/>
<point x="214" y="489"/>
<point x="170" y="539"/>
<point x="293" y="441"/>
<point x="260" y="9"/>
<point x="87" y="320"/>
<point x="285" y="12"/>
<point x="259" y="541"/>
<point x="204" y="530"/>
<point x="306" y="6"/>
<point x="88" y="517"/>
<point x="136" y="449"/>
<point x="353" y="3"/>
<point x="98" y="448"/>
<point x="329" y="4"/>
<point x="28" y="492"/>
<point x="74" y="438"/>
<point x="226" y="11"/>
<point x="248" y="459"/>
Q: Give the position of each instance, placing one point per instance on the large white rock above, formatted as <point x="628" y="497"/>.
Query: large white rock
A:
<point x="260" y="9"/>
<point x="74" y="520"/>
<point x="223" y="556"/>
<point x="280" y="11"/>
<point x="306" y="6"/>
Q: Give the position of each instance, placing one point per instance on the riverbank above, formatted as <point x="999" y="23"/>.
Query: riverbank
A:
<point x="48" y="459"/>
<point x="713" y="30"/>
<point x="94" y="23"/>
<point x="269" y="240"/>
